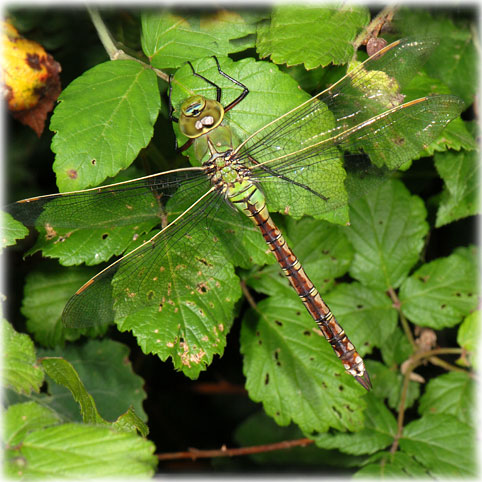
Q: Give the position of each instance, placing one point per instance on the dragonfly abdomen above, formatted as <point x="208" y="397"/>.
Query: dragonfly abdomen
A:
<point x="254" y="206"/>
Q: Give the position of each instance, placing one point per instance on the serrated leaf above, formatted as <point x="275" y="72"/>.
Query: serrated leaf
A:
<point x="379" y="431"/>
<point x="366" y="314"/>
<point x="388" y="382"/>
<point x="130" y="422"/>
<point x="451" y="394"/>
<point x="105" y="117"/>
<point x="82" y="451"/>
<point x="387" y="230"/>
<point x="392" y="465"/>
<point x="22" y="418"/>
<point x="460" y="172"/>
<point x="106" y="373"/>
<point x="169" y="40"/>
<point x="45" y="296"/>
<point x="195" y="310"/>
<point x="310" y="35"/>
<point x="396" y="348"/>
<point x="63" y="373"/>
<point x="20" y="370"/>
<point x="442" y="444"/>
<point x="439" y="293"/>
<point x="293" y="371"/>
<point x="11" y="230"/>
<point x="468" y="336"/>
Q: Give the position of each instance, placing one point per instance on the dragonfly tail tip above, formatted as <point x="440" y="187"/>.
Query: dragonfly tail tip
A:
<point x="364" y="381"/>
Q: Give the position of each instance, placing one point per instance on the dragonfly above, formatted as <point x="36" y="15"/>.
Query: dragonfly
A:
<point x="368" y="114"/>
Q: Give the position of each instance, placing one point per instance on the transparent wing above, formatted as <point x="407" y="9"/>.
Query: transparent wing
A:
<point x="370" y="89"/>
<point x="300" y="153"/>
<point x="106" y="206"/>
<point x="146" y="277"/>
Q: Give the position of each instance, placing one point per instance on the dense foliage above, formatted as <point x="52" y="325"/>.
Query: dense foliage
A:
<point x="401" y="276"/>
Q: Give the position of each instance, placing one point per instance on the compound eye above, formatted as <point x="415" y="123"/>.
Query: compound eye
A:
<point x="194" y="107"/>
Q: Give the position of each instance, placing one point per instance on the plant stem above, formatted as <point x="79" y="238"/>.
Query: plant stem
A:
<point x="194" y="454"/>
<point x="109" y="45"/>
<point x="103" y="33"/>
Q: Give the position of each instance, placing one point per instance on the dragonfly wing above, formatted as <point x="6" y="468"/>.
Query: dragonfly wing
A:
<point x="390" y="139"/>
<point x="118" y="204"/>
<point x="142" y="279"/>
<point x="375" y="86"/>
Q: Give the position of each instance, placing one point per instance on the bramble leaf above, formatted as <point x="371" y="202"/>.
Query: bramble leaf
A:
<point x="104" y="118"/>
<point x="439" y="293"/>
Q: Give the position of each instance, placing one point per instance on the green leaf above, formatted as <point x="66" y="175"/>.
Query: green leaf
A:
<point x="130" y="422"/>
<point x="310" y="35"/>
<point x="440" y="293"/>
<point x="170" y="40"/>
<point x="367" y="315"/>
<point x="387" y="383"/>
<point x="443" y="444"/>
<point x="104" y="118"/>
<point x="468" y="336"/>
<point x="392" y="465"/>
<point x="379" y="432"/>
<point x="387" y="230"/>
<point x="196" y="292"/>
<point x="20" y="370"/>
<point x="11" y="230"/>
<point x="107" y="375"/>
<point x="45" y="296"/>
<point x="455" y="60"/>
<point x="293" y="371"/>
<point x="22" y="418"/>
<point x="396" y="348"/>
<point x="63" y="373"/>
<point x="451" y="394"/>
<point x="460" y="172"/>
<point x="82" y="451"/>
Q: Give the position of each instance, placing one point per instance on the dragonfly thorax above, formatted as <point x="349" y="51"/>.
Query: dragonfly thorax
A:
<point x="199" y="116"/>
<point x="226" y="174"/>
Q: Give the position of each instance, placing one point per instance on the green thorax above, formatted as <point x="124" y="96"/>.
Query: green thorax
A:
<point x="201" y="120"/>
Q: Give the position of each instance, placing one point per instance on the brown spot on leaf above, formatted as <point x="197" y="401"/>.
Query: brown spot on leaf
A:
<point x="72" y="173"/>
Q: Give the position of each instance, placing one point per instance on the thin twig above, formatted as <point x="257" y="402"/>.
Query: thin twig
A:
<point x="416" y="360"/>
<point x="373" y="29"/>
<point x="194" y="454"/>
<point x="247" y="294"/>
<point x="112" y="51"/>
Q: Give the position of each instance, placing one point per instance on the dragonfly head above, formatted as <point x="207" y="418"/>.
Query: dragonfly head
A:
<point x="199" y="116"/>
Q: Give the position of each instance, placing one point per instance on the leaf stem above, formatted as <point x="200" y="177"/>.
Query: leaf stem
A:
<point x="374" y="27"/>
<point x="403" y="320"/>
<point x="414" y="361"/>
<point x="248" y="296"/>
<point x="109" y="45"/>
<point x="104" y="34"/>
<point x="194" y="454"/>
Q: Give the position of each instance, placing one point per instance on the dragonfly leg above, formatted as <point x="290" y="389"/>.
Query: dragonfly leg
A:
<point x="237" y="82"/>
<point x="218" y="89"/>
